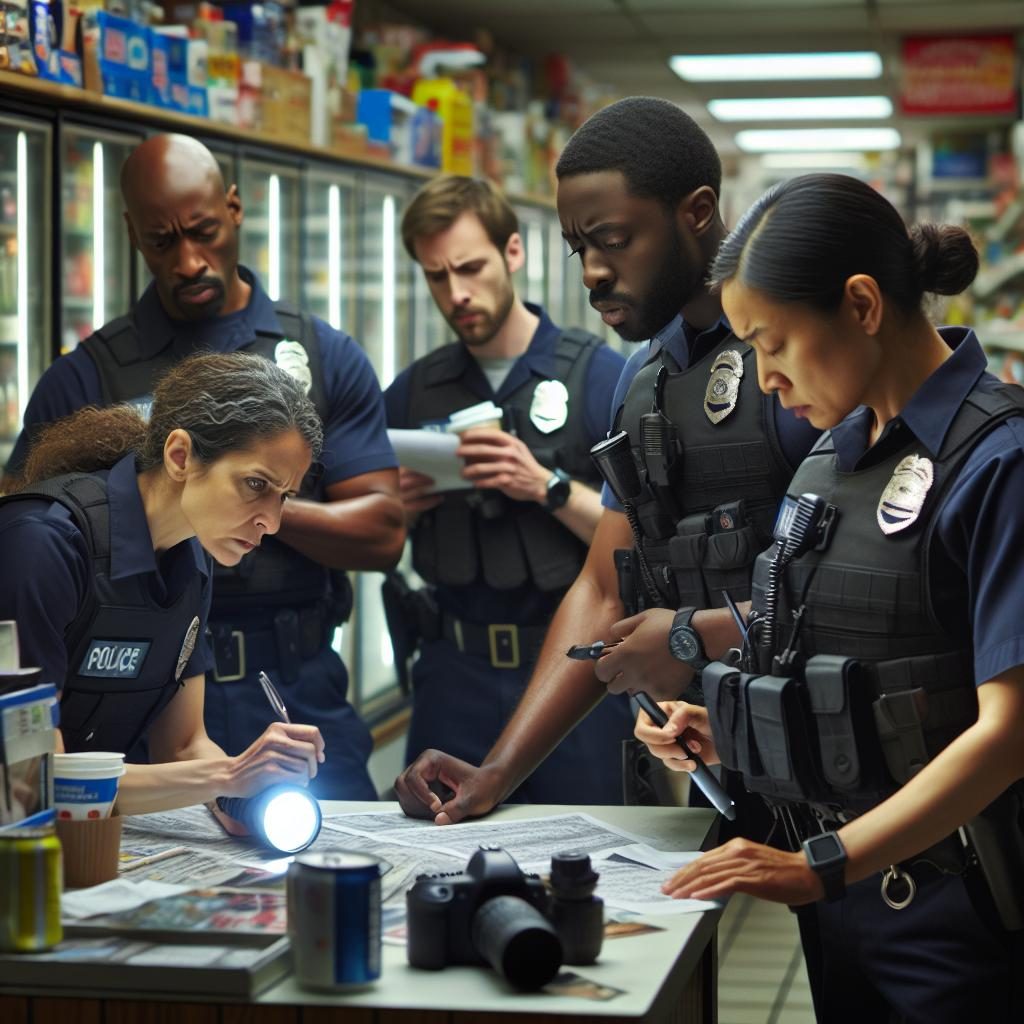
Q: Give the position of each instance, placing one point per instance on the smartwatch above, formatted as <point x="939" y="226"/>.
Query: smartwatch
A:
<point x="827" y="856"/>
<point x="684" y="642"/>
<point x="558" y="490"/>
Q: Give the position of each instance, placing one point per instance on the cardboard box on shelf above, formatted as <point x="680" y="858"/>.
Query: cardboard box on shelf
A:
<point x="275" y="101"/>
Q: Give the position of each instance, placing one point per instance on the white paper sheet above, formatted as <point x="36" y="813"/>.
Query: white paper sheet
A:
<point x="433" y="454"/>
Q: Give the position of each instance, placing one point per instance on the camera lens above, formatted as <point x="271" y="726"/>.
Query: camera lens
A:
<point x="578" y="914"/>
<point x="572" y="877"/>
<point x="517" y="941"/>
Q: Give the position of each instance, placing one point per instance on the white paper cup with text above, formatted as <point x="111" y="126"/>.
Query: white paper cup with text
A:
<point x="85" y="784"/>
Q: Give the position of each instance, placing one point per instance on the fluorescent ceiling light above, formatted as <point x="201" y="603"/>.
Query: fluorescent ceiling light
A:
<point x="795" y="161"/>
<point x="763" y="140"/>
<point x="802" y="108"/>
<point x="761" y="67"/>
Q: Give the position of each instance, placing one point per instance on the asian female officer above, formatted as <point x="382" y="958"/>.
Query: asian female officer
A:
<point x="106" y="547"/>
<point x="880" y="708"/>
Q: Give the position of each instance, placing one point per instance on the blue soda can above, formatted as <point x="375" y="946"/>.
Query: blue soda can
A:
<point x="334" y="919"/>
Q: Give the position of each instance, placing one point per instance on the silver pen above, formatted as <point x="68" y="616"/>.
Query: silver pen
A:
<point x="274" y="697"/>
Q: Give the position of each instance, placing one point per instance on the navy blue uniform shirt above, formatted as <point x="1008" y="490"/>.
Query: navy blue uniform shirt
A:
<point x="48" y="570"/>
<point x="480" y="603"/>
<point x="355" y="434"/>
<point x="980" y="528"/>
<point x="687" y="345"/>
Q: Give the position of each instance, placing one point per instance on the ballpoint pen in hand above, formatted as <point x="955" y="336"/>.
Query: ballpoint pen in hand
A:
<point x="274" y="698"/>
<point x="590" y="652"/>
<point x="701" y="775"/>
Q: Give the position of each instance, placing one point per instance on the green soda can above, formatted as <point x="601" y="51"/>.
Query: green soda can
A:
<point x="31" y="879"/>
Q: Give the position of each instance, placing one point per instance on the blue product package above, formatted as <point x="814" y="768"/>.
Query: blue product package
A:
<point x="374" y="110"/>
<point x="45" y="27"/>
<point x="124" y="57"/>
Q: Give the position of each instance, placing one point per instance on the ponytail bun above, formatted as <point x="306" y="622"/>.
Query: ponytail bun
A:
<point x="84" y="442"/>
<point x="945" y="258"/>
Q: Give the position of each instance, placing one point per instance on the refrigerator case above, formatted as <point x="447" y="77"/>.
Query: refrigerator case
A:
<point x="384" y="277"/>
<point x="96" y="254"/>
<point x="271" y="226"/>
<point x="25" y="295"/>
<point x="329" y="264"/>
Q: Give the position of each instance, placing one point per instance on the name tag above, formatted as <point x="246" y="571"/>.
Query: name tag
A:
<point x="114" y="659"/>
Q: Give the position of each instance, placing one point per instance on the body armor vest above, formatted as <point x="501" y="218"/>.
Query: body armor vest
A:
<point x="129" y="366"/>
<point x="883" y="683"/>
<point x="125" y="652"/>
<point x="713" y="474"/>
<point x="482" y="536"/>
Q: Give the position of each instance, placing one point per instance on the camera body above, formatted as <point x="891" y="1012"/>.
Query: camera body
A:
<point x="442" y="906"/>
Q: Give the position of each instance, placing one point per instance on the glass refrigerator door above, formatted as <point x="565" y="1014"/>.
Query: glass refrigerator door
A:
<point x="271" y="226"/>
<point x="384" y="275"/>
<point x="95" y="250"/>
<point x="561" y="305"/>
<point x="530" y="280"/>
<point x="24" y="269"/>
<point x="329" y="256"/>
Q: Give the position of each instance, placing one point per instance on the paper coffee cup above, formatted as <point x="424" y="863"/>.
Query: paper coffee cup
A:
<point x="91" y="849"/>
<point x="483" y="414"/>
<point x="85" y="784"/>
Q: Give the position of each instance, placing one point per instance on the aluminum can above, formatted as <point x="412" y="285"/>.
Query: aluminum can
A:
<point x="31" y="879"/>
<point x="334" y="919"/>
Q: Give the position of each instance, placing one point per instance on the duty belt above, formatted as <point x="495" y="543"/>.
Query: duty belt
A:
<point x="503" y="644"/>
<point x="293" y="635"/>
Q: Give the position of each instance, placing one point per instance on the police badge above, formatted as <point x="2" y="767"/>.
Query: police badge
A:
<point x="904" y="494"/>
<point x="187" y="647"/>
<point x="292" y="358"/>
<point x="724" y="385"/>
<point x="549" y="408"/>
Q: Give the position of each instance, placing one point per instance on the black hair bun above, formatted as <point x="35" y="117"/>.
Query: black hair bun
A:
<point x="945" y="258"/>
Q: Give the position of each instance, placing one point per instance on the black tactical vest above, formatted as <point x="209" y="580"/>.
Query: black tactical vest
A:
<point x="129" y="365"/>
<point x="704" y="439"/>
<point x="482" y="536"/>
<point x="885" y="675"/>
<point x="125" y="652"/>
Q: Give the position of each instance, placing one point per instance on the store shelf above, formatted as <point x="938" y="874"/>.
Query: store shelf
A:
<point x="1008" y="223"/>
<point x="991" y="279"/>
<point x="1002" y="334"/>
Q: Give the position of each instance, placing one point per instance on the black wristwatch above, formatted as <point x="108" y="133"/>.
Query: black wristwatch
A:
<point x="827" y="855"/>
<point x="684" y="642"/>
<point x="558" y="490"/>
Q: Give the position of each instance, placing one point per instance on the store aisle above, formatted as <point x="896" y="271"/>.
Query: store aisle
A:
<point x="761" y="974"/>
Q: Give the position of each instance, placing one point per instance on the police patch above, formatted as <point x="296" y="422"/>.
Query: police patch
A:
<point x="549" y="408"/>
<point x="114" y="659"/>
<point x="723" y="388"/>
<point x="187" y="647"/>
<point x="904" y="494"/>
<point x="292" y="358"/>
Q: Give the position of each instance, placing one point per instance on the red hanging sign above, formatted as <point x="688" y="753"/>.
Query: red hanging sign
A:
<point x="959" y="75"/>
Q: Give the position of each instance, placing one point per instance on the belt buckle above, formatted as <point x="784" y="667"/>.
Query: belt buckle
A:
<point x="495" y="633"/>
<point x="239" y="639"/>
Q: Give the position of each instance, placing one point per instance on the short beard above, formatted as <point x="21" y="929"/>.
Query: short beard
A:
<point x="493" y="323"/>
<point x="676" y="283"/>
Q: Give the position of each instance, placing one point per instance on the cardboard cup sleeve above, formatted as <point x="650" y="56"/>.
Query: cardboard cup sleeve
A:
<point x="92" y="849"/>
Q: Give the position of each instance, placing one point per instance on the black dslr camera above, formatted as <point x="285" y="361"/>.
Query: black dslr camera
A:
<point x="495" y="913"/>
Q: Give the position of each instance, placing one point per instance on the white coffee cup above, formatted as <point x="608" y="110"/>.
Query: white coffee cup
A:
<point x="85" y="784"/>
<point x="483" y="414"/>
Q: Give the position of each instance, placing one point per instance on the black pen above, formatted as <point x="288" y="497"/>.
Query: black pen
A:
<point x="701" y="775"/>
<point x="590" y="652"/>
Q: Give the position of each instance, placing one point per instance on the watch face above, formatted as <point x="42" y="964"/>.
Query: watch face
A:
<point x="825" y="848"/>
<point x="683" y="644"/>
